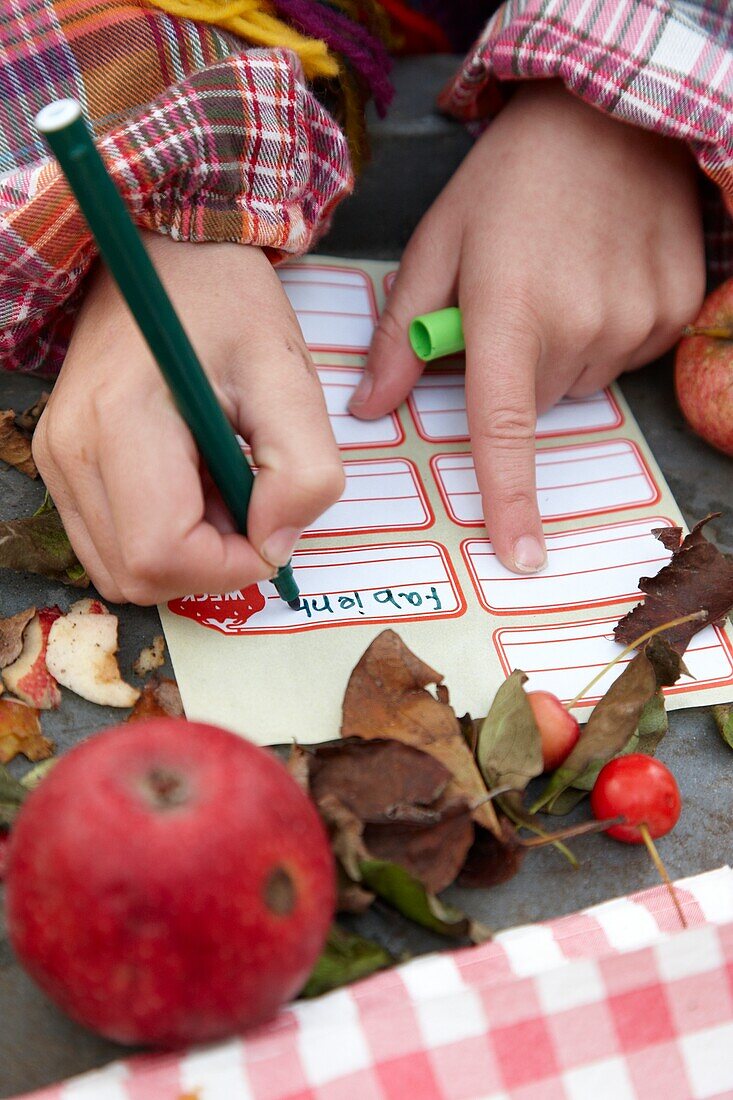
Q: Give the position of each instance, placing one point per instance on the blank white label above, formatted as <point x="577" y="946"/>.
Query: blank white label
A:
<point x="438" y="407"/>
<point x="583" y="480"/>
<point x="335" y="306"/>
<point x="338" y="385"/>
<point x="380" y="495"/>
<point x="563" y="659"/>
<point x="585" y="568"/>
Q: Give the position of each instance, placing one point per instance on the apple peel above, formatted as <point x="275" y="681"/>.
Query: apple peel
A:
<point x="81" y="655"/>
<point x="28" y="676"/>
<point x="151" y="657"/>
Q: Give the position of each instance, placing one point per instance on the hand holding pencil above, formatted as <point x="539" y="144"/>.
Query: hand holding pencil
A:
<point x="141" y="509"/>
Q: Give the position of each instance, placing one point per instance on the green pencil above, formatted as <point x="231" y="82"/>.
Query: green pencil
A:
<point x="62" y="123"/>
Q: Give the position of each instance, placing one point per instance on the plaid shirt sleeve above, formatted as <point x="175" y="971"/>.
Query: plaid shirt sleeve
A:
<point x="665" y="65"/>
<point x="206" y="140"/>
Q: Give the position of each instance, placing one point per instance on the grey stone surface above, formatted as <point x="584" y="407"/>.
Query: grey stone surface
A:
<point x="415" y="151"/>
<point x="38" y="1045"/>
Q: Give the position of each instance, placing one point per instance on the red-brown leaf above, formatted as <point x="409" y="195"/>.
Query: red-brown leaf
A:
<point x="160" y="698"/>
<point x="386" y="697"/>
<point x="699" y="577"/>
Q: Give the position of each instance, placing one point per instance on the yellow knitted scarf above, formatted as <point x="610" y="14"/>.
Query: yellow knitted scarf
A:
<point x="253" y="20"/>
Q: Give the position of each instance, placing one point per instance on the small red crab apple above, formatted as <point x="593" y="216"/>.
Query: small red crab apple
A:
<point x="644" y="792"/>
<point x="559" y="730"/>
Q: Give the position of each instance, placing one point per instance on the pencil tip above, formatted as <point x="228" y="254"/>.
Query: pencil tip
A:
<point x="295" y="604"/>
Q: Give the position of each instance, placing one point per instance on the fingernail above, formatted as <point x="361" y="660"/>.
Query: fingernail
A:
<point x="529" y="556"/>
<point x="278" y="548"/>
<point x="363" y="391"/>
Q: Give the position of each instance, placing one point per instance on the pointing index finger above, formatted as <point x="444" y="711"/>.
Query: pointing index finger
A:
<point x="501" y="364"/>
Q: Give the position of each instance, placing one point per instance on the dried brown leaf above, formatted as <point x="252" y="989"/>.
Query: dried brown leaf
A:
<point x="386" y="698"/>
<point x="11" y="635"/>
<point x="15" y="449"/>
<point x="433" y="854"/>
<point x="160" y="698"/>
<point x="299" y="767"/>
<point x="20" y="733"/>
<point x="351" y="897"/>
<point x="27" y="420"/>
<point x="699" y="577"/>
<point x="346" y="833"/>
<point x="491" y="861"/>
<point x="386" y="800"/>
<point x="378" y="780"/>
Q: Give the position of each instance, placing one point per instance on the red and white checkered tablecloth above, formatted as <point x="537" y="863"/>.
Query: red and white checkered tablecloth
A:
<point x="612" y="1003"/>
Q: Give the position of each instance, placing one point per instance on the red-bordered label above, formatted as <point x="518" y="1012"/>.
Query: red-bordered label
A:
<point x="351" y="433"/>
<point x="582" y="479"/>
<point x="389" y="583"/>
<point x="384" y="494"/>
<point x="437" y="406"/>
<point x="563" y="658"/>
<point x="336" y="306"/>
<point x="586" y="567"/>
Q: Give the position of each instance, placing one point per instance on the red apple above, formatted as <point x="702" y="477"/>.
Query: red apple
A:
<point x="169" y="883"/>
<point x="704" y="370"/>
<point x="558" y="729"/>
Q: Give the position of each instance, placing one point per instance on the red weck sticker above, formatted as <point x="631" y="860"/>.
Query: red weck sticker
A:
<point x="227" y="612"/>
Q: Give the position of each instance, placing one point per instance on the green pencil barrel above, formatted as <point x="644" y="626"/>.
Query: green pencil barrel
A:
<point x="124" y="253"/>
<point x="121" y="247"/>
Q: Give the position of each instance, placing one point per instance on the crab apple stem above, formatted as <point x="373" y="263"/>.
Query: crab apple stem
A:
<point x="662" y="871"/>
<point x="634" y="645"/>
<point x="522" y="823"/>
<point x="714" y="332"/>
<point x="570" y="831"/>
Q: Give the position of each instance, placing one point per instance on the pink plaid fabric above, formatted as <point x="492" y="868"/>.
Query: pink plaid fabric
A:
<point x="207" y="140"/>
<point x="612" y="1003"/>
<point x="664" y="65"/>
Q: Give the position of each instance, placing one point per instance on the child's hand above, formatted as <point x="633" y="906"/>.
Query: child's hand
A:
<point x="573" y="244"/>
<point x="122" y="467"/>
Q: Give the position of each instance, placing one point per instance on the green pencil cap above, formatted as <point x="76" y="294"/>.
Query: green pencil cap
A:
<point x="437" y="334"/>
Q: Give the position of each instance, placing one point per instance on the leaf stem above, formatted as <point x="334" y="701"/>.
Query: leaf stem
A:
<point x="634" y="645"/>
<point x="662" y="871"/>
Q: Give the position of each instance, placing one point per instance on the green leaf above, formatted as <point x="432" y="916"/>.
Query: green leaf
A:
<point x="39" y="771"/>
<point x="509" y="750"/>
<point x="346" y="958"/>
<point x="12" y="795"/>
<point x="653" y="725"/>
<point x="39" y="544"/>
<point x="609" y="727"/>
<point x="565" y="802"/>
<point x="408" y="896"/>
<point x="724" y="721"/>
<point x="586" y="781"/>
